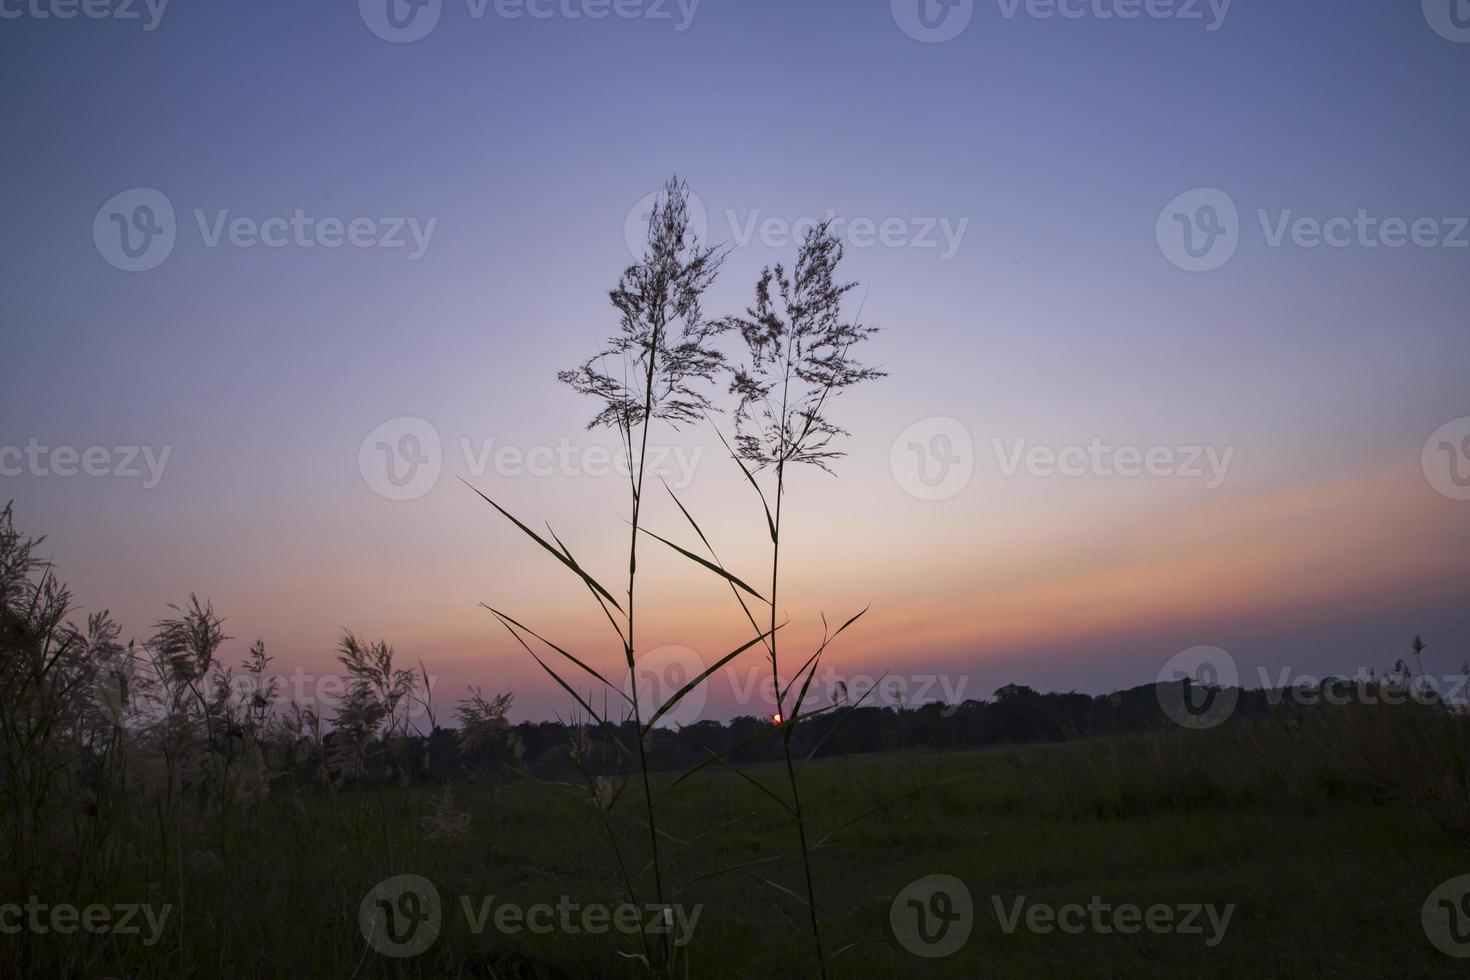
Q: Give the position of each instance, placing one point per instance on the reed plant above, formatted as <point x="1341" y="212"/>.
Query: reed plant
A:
<point x="656" y="368"/>
<point x="800" y="356"/>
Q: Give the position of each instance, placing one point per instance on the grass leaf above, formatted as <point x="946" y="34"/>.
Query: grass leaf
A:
<point x="707" y="564"/>
<point x="669" y="704"/>
<point x="562" y="557"/>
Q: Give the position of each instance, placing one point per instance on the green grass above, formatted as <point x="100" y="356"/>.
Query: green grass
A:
<point x="1325" y="882"/>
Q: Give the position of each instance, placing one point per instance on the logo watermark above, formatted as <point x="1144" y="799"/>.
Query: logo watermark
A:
<point x="932" y="21"/>
<point x="144" y="463"/>
<point x="941" y="234"/>
<point x="663" y="672"/>
<point x="675" y="465"/>
<point x="406" y="21"/>
<point x="1450" y="19"/>
<point x="404" y="457"/>
<point x="65" y="919"/>
<point x="936" y="21"/>
<point x="136" y="231"/>
<point x="148" y="13"/>
<point x="1446" y="917"/>
<point x="1209" y="464"/>
<point x="944" y="235"/>
<point x="402" y="916"/>
<point x="1363" y="687"/>
<point x="322" y="694"/>
<point x="754" y="684"/>
<point x="933" y="459"/>
<point x="1200" y="230"/>
<point x="1199" y="687"/>
<point x="933" y="916"/>
<point x="1446" y="459"/>
<point x="1102" y="917"/>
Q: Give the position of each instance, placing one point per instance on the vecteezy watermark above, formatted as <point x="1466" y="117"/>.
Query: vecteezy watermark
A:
<point x="321" y="694"/>
<point x="404" y="21"/>
<point x="65" y="919"/>
<point x="943" y="235"/>
<point x="1207" y="463"/>
<point x="933" y="916"/>
<point x="147" y="12"/>
<point x="1446" y="917"/>
<point x="136" y="230"/>
<point x="675" y="465"/>
<point x="401" y="917"/>
<point x="301" y="230"/>
<point x="935" y="21"/>
<point x="1363" y="687"/>
<point x="932" y="21"/>
<point x="403" y="459"/>
<point x="1200" y="230"/>
<point x="753" y="684"/>
<point x="662" y="673"/>
<point x="1449" y="18"/>
<point x="1199" y="687"/>
<point x="635" y="225"/>
<point x="933" y="459"/>
<point x="1446" y="459"/>
<point x="117" y="462"/>
<point x="1102" y="917"/>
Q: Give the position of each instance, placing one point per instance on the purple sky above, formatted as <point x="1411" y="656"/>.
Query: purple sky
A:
<point x="1009" y="199"/>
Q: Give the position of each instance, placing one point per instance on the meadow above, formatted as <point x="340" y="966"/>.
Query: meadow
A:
<point x="1326" y="874"/>
<point x="170" y="815"/>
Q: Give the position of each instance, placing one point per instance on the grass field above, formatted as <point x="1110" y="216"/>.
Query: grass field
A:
<point x="1324" y="878"/>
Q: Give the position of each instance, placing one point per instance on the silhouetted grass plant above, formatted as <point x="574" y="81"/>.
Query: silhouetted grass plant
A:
<point x="799" y="350"/>
<point x="653" y="369"/>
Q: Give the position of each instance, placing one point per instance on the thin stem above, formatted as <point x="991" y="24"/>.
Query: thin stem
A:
<point x="637" y="491"/>
<point x="788" y="451"/>
<point x="806" y="860"/>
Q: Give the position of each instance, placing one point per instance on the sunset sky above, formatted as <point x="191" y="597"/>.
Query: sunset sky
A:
<point x="1003" y="194"/>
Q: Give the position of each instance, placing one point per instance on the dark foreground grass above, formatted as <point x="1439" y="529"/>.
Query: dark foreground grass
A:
<point x="1325" y="880"/>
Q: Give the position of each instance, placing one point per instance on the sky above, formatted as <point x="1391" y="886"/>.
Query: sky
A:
<point x="1172" y="301"/>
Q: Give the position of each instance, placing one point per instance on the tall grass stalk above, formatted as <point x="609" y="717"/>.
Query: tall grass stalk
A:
<point x="653" y="297"/>
<point x="799" y="349"/>
<point x="653" y="368"/>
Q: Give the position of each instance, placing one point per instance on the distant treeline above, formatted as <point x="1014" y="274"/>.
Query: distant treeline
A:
<point x="1016" y="715"/>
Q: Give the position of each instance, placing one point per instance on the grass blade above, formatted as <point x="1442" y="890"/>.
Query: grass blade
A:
<point x="826" y="641"/>
<point x="770" y="522"/>
<point x="559" y="650"/>
<point x="711" y="549"/>
<point x="565" y="559"/>
<point x="669" y="704"/>
<point x="706" y="563"/>
<point x="566" y="687"/>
